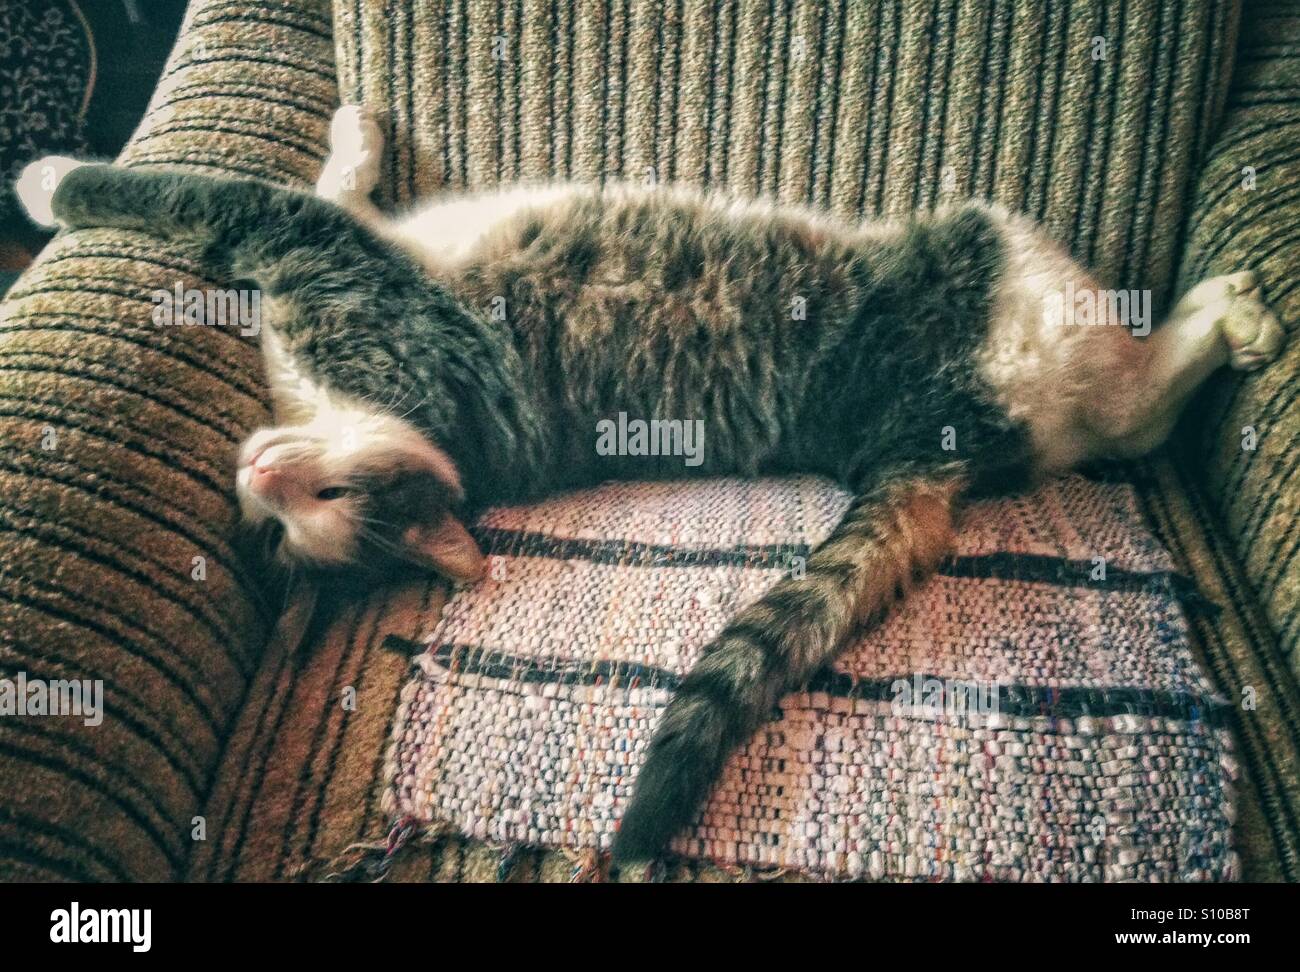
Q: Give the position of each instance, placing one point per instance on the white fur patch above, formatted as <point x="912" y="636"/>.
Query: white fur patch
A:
<point x="1032" y="358"/>
<point x="322" y="438"/>
<point x="442" y="235"/>
<point x="345" y="424"/>
<point x="36" y="184"/>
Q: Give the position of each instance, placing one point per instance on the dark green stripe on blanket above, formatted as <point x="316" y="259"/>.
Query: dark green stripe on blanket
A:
<point x="1065" y="702"/>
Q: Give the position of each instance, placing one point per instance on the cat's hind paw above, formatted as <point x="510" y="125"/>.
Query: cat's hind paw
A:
<point x="355" y="132"/>
<point x="356" y="144"/>
<point x="36" y="184"/>
<point x="1253" y="333"/>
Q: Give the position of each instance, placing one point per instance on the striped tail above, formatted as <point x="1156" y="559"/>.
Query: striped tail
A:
<point x="889" y="538"/>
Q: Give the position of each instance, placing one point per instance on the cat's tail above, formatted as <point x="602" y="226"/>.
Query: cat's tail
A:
<point x="890" y="537"/>
<point x="242" y="220"/>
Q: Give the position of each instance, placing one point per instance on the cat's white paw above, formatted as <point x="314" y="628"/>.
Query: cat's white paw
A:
<point x="37" y="182"/>
<point x="354" y="131"/>
<point x="1214" y="290"/>
<point x="356" y="144"/>
<point x="1253" y="334"/>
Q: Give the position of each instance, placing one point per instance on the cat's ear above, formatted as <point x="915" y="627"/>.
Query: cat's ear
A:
<point x="447" y="547"/>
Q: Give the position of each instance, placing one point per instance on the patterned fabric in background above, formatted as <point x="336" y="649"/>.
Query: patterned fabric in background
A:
<point x="45" y="79"/>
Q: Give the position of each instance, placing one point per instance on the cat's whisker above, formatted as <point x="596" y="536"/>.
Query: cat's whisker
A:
<point x="394" y="400"/>
<point x="412" y="409"/>
<point x="382" y="542"/>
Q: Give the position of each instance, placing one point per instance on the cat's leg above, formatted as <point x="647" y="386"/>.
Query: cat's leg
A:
<point x="1220" y="321"/>
<point x="891" y="536"/>
<point x="351" y="172"/>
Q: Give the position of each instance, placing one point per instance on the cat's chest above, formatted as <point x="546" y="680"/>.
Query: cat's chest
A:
<point x="295" y="395"/>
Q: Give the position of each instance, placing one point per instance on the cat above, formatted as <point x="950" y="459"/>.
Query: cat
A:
<point x="466" y="354"/>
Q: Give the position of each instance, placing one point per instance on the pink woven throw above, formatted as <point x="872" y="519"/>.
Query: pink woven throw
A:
<point x="1031" y="713"/>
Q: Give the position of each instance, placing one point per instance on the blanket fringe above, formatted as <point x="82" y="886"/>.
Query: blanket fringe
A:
<point x="749" y="874"/>
<point x="510" y="855"/>
<point x="369" y="861"/>
<point x="589" y="866"/>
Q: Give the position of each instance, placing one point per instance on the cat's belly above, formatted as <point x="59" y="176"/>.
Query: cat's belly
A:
<point x="444" y="235"/>
<point x="646" y="317"/>
<point x="674" y="332"/>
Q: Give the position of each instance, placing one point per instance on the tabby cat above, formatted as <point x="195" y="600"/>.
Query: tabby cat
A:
<point x="464" y="355"/>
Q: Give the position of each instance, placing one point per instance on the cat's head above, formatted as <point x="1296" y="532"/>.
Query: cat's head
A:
<point x="357" y="495"/>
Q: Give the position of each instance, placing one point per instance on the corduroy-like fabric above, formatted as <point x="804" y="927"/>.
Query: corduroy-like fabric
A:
<point x="1237" y="650"/>
<point x="1246" y="437"/>
<point x="116" y="474"/>
<point x="1087" y="116"/>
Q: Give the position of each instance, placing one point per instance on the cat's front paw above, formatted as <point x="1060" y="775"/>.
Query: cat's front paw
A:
<point x="37" y="182"/>
<point x="1253" y="333"/>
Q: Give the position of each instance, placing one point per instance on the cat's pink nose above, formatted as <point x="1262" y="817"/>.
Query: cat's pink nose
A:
<point x="267" y="482"/>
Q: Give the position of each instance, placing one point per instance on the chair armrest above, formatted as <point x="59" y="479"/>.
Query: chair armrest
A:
<point x="1247" y="217"/>
<point x="115" y="556"/>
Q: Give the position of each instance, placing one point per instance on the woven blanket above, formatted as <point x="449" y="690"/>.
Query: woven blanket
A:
<point x="1031" y="713"/>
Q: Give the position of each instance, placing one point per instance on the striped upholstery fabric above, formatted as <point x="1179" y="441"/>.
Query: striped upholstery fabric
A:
<point x="1238" y="651"/>
<point x="874" y="107"/>
<point x="1247" y="214"/>
<point x="115" y="474"/>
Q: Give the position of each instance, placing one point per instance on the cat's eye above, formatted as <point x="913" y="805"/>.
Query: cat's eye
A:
<point x="332" y="492"/>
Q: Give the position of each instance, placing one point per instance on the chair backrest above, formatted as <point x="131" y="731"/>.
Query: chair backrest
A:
<point x="1087" y="115"/>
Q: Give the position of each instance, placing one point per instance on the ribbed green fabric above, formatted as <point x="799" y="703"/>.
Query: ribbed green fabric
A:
<point x="1247" y="215"/>
<point x="115" y="473"/>
<point x="1088" y="116"/>
<point x="1237" y="649"/>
